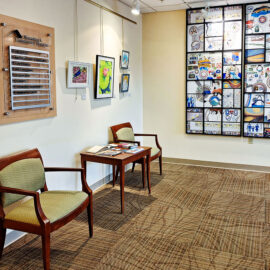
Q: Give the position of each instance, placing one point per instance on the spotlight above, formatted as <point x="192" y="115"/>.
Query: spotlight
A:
<point x="136" y="7"/>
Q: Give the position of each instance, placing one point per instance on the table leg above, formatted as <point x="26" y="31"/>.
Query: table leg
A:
<point x="122" y="185"/>
<point x="143" y="172"/>
<point x="148" y="172"/>
<point x="113" y="175"/>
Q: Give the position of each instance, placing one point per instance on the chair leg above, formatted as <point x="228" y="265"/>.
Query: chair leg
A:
<point x="143" y="172"/>
<point x="160" y="164"/>
<point x="2" y="238"/>
<point x="46" y="250"/>
<point x="133" y="167"/>
<point x="90" y="215"/>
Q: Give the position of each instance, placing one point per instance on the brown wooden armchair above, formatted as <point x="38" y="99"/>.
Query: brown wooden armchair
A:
<point x="23" y="175"/>
<point x="124" y="133"/>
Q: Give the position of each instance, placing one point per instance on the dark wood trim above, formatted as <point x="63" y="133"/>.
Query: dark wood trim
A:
<point x="5" y="161"/>
<point x="60" y="169"/>
<point x="23" y="227"/>
<point x="114" y="130"/>
<point x="150" y="135"/>
<point x="127" y="141"/>
<point x="45" y="227"/>
<point x="119" y="161"/>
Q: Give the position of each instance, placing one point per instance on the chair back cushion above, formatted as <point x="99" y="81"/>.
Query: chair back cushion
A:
<point x="125" y="134"/>
<point x="23" y="174"/>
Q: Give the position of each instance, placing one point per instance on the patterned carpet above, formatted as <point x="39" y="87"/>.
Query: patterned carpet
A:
<point x="196" y="218"/>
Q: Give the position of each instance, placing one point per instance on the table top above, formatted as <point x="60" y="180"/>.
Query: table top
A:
<point x="117" y="158"/>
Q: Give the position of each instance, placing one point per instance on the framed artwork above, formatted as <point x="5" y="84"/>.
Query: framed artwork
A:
<point x="124" y="60"/>
<point x="232" y="58"/>
<point x="231" y="129"/>
<point x="267" y="41"/>
<point x="104" y="76"/>
<point x="194" y="127"/>
<point x="254" y="130"/>
<point x="195" y="38"/>
<point x="232" y="13"/>
<point x="204" y="66"/>
<point x="78" y="74"/>
<point x="124" y="87"/>
<point x="214" y="71"/>
<point x="257" y="18"/>
<point x="212" y="115"/>
<point x="212" y="128"/>
<point x="195" y="115"/>
<point x="254" y="56"/>
<point x="213" y="29"/>
<point x="213" y="44"/>
<point x="255" y="42"/>
<point x="195" y="16"/>
<point x="257" y="71"/>
<point x="214" y="15"/>
<point x="233" y="35"/>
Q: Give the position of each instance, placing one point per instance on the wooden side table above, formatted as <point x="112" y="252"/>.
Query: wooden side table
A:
<point x="120" y="161"/>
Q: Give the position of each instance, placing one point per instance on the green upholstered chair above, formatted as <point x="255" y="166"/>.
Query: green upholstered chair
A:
<point x="23" y="175"/>
<point x="124" y="133"/>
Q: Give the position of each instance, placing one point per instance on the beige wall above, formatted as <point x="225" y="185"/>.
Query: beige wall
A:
<point x="79" y="123"/>
<point x="164" y="49"/>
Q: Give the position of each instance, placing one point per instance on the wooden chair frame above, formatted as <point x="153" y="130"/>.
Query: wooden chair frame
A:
<point x="45" y="227"/>
<point x="142" y="162"/>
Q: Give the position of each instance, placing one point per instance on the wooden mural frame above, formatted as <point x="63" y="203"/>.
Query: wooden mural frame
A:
<point x="29" y="36"/>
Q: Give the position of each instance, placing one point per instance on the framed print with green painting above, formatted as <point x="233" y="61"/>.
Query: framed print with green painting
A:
<point x="104" y="76"/>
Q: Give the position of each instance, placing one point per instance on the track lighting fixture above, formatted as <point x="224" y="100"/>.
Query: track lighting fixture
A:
<point x="136" y="7"/>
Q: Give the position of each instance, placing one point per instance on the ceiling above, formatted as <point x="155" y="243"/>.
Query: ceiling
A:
<point x="168" y="5"/>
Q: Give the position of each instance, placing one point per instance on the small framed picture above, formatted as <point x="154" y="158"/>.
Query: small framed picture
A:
<point x="124" y="87"/>
<point x="104" y="76"/>
<point x="78" y="74"/>
<point x="124" y="60"/>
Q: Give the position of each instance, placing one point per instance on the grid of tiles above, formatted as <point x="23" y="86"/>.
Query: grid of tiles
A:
<point x="214" y="71"/>
<point x="257" y="71"/>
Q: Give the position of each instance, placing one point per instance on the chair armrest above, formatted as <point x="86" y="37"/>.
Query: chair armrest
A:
<point x="18" y="191"/>
<point x="150" y="135"/>
<point x="138" y="142"/>
<point x="85" y="186"/>
<point x="43" y="220"/>
<point x="60" y="169"/>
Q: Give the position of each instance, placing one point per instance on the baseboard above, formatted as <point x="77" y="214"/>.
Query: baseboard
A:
<point x="213" y="164"/>
<point x="13" y="236"/>
<point x="101" y="182"/>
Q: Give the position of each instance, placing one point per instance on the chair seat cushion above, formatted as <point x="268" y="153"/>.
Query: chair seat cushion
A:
<point x="126" y="134"/>
<point x="55" y="205"/>
<point x="154" y="151"/>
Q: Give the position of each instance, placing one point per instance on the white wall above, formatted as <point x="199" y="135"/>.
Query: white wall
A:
<point x="79" y="123"/>
<point x="164" y="48"/>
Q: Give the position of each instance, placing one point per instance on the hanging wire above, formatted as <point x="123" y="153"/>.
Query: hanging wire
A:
<point x="123" y="37"/>
<point x="76" y="39"/>
<point x="101" y="33"/>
